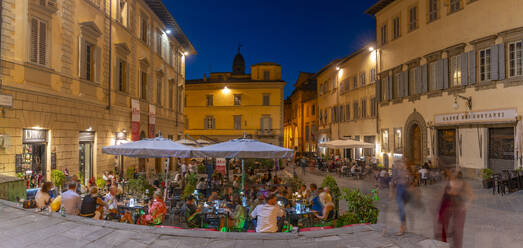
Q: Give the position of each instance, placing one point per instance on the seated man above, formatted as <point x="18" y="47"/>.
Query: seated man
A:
<point x="71" y="201"/>
<point x="111" y="206"/>
<point x="92" y="205"/>
<point x="191" y="212"/>
<point x="267" y="215"/>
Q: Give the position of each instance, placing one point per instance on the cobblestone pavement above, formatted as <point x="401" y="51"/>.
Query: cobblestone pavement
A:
<point x="27" y="228"/>
<point x="491" y="221"/>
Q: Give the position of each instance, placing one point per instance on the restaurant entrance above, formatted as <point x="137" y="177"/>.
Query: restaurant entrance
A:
<point x="34" y="155"/>
<point x="85" y="155"/>
<point x="501" y="149"/>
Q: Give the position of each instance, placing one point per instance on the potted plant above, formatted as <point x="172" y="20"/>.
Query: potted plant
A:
<point x="486" y="175"/>
<point x="361" y="207"/>
<point x="58" y="179"/>
<point x="330" y="182"/>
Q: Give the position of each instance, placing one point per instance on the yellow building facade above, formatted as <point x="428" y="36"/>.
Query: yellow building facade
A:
<point x="301" y="124"/>
<point x="347" y="102"/>
<point x="228" y="105"/>
<point x="450" y="82"/>
<point x="73" y="71"/>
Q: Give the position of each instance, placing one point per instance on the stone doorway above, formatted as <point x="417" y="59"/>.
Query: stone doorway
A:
<point x="415" y="139"/>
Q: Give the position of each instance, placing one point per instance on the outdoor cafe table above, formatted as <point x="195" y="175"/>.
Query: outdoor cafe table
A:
<point x="294" y="217"/>
<point x="136" y="210"/>
<point x="210" y="213"/>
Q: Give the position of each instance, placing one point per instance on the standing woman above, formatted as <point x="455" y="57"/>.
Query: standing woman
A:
<point x="457" y="195"/>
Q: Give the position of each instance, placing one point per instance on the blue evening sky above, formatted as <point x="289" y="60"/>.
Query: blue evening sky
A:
<point x="298" y="35"/>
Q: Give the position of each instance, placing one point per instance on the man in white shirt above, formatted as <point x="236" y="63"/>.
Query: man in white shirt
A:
<point x="267" y="215"/>
<point x="184" y="169"/>
<point x="71" y="201"/>
<point x="423" y="175"/>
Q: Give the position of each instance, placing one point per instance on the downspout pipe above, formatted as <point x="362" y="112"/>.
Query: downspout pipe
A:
<point x="110" y="54"/>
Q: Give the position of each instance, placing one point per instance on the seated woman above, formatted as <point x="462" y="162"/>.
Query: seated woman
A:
<point x="42" y="197"/>
<point x="157" y="211"/>
<point x="191" y="213"/>
<point x="236" y="216"/>
<point x="328" y="207"/>
<point x="92" y="205"/>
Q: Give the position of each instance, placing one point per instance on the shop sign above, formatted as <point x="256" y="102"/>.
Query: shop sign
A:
<point x="503" y="115"/>
<point x="220" y="165"/>
<point x="135" y="120"/>
<point x="86" y="137"/>
<point x="152" y="120"/>
<point x="34" y="136"/>
<point x="6" y="100"/>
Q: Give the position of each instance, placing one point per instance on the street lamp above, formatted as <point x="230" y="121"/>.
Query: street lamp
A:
<point x="468" y="101"/>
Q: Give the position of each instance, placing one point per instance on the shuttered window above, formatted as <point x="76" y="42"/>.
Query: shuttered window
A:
<point x="171" y="94"/>
<point x="433" y="75"/>
<point x="266" y="100"/>
<point x="396" y="32"/>
<point x="122" y="76"/>
<point x="209" y="122"/>
<point x="362" y="78"/>
<point x="38" y="41"/>
<point x="89" y="61"/>
<point x="237" y="122"/>
<point x="484" y="64"/>
<point x="455" y="70"/>
<point x="210" y="101"/>
<point x="363" y="108"/>
<point x="355" y="111"/>
<point x="433" y="10"/>
<point x="373" y="107"/>
<point x="143" y="85"/>
<point x="514" y="57"/>
<point x="159" y="92"/>
<point x="413" y="18"/>
<point x="347" y="112"/>
<point x="383" y="34"/>
<point x="396" y="85"/>
<point x="372" y="75"/>
<point x="412" y="80"/>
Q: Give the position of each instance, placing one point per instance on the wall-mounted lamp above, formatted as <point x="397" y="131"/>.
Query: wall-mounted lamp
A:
<point x="371" y="49"/>
<point x="226" y="90"/>
<point x="468" y="101"/>
<point x="186" y="53"/>
<point x="338" y="68"/>
<point x="168" y="31"/>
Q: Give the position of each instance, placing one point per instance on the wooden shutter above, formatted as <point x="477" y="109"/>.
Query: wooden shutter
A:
<point x="378" y="90"/>
<point x="97" y="64"/>
<point x="445" y="73"/>
<point x="127" y="82"/>
<point x="501" y="60"/>
<point x="419" y="87"/>
<point x="405" y="83"/>
<point x="464" y="68"/>
<point x="205" y="123"/>
<point x="42" y="44"/>
<point x="439" y="69"/>
<point x="117" y="74"/>
<point x="399" y="84"/>
<point x="472" y="67"/>
<point x="34" y="41"/>
<point x="213" y="123"/>
<point x="389" y="88"/>
<point x="424" y="78"/>
<point x="494" y="68"/>
<point x="81" y="59"/>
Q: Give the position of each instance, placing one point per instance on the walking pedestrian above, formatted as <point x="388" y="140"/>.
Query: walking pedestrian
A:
<point x="400" y="178"/>
<point x="451" y="216"/>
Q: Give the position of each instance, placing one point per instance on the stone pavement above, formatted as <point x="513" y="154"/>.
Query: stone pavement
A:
<point x="28" y="228"/>
<point x="491" y="221"/>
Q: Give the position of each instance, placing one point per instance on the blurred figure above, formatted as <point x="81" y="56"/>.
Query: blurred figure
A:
<point x="451" y="216"/>
<point x="400" y="179"/>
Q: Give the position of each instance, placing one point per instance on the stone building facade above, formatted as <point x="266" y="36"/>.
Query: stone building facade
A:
<point x="74" y="71"/>
<point x="347" y="103"/>
<point x="450" y="82"/>
<point x="301" y="125"/>
<point x="230" y="105"/>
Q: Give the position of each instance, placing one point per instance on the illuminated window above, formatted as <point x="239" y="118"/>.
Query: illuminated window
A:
<point x="514" y="57"/>
<point x="455" y="70"/>
<point x="484" y="64"/>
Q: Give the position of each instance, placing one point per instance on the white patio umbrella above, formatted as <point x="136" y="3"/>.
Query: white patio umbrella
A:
<point x="186" y="142"/>
<point x="151" y="148"/>
<point x="346" y="144"/>
<point x="243" y="148"/>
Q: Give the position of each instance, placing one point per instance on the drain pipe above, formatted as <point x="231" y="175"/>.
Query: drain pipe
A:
<point x="110" y="53"/>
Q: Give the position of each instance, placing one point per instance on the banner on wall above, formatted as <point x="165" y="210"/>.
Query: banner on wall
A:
<point x="220" y="165"/>
<point x="135" y="120"/>
<point x="152" y="120"/>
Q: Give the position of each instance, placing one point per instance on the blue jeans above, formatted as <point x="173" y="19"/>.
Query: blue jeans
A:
<point x="401" y="192"/>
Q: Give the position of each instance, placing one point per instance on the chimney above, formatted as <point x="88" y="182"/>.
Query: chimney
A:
<point x="205" y="77"/>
